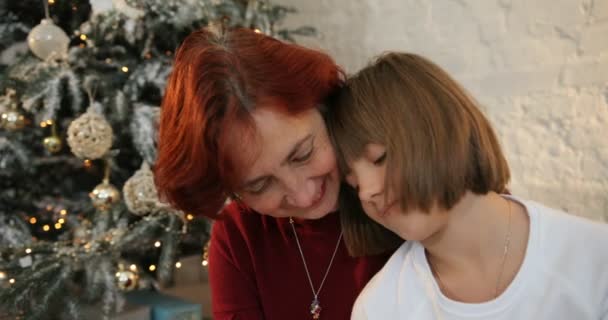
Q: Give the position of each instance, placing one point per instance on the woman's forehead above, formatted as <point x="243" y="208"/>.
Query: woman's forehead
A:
<point x="276" y="135"/>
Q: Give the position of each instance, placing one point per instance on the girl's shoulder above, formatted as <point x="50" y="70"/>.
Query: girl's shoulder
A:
<point x="558" y="224"/>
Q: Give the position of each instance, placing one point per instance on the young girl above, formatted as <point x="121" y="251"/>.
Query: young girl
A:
<point x="427" y="166"/>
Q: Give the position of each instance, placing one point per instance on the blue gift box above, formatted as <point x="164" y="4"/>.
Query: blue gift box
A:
<point x="165" y="307"/>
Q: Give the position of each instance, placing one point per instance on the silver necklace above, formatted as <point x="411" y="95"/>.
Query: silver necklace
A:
<point x="502" y="265"/>
<point x="315" y="306"/>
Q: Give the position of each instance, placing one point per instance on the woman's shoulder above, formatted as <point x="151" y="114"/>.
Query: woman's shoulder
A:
<point x="235" y="218"/>
<point x="238" y="223"/>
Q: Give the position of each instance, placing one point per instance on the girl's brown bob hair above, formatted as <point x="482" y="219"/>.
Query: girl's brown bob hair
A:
<point x="439" y="144"/>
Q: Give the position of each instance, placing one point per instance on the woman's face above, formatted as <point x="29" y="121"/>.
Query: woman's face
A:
<point x="294" y="172"/>
<point x="367" y="175"/>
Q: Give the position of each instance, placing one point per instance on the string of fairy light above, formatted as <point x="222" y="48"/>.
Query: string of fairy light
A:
<point x="88" y="245"/>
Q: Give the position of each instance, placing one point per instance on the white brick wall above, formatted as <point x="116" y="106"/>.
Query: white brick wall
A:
<point x="539" y="68"/>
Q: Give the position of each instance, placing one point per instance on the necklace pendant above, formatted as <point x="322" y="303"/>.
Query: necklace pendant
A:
<point x="315" y="309"/>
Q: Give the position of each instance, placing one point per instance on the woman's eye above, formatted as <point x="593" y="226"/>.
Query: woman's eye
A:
<point x="380" y="160"/>
<point x="303" y="158"/>
<point x="259" y="187"/>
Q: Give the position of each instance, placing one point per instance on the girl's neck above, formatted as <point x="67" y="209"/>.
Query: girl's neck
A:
<point x="473" y="237"/>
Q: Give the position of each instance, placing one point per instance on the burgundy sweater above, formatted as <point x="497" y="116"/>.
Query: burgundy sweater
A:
<point x="256" y="272"/>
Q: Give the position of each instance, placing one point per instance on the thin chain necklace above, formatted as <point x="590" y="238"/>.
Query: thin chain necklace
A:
<point x="506" y="246"/>
<point x="315" y="307"/>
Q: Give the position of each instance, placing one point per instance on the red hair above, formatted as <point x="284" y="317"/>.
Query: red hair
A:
<point x="217" y="80"/>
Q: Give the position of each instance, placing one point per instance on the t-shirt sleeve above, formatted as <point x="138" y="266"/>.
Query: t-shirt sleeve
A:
<point x="358" y="312"/>
<point x="234" y="293"/>
<point x="604" y="311"/>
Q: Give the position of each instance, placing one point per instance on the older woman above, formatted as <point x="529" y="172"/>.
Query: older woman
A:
<point x="242" y="118"/>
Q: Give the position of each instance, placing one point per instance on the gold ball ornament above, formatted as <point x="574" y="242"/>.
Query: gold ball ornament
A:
<point x="90" y="136"/>
<point x="104" y="196"/>
<point x="127" y="276"/>
<point x="140" y="192"/>
<point x="52" y="144"/>
<point x="13" y="120"/>
<point x="48" y="41"/>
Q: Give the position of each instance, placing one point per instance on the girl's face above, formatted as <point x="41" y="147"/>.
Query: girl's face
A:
<point x="367" y="175"/>
<point x="294" y="172"/>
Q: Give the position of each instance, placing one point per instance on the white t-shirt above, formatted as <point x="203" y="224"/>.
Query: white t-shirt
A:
<point x="564" y="275"/>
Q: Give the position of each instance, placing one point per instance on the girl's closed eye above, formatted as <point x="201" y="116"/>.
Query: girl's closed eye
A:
<point x="380" y="160"/>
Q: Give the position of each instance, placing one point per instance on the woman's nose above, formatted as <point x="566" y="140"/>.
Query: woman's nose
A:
<point x="301" y="193"/>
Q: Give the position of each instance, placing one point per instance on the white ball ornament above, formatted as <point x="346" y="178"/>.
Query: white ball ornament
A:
<point x="48" y="41"/>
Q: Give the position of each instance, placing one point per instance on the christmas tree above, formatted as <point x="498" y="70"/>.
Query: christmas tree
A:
<point x="80" y="219"/>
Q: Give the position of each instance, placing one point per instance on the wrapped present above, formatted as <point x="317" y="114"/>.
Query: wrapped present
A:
<point x="166" y="307"/>
<point x="191" y="283"/>
<point x="129" y="312"/>
<point x="197" y="292"/>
